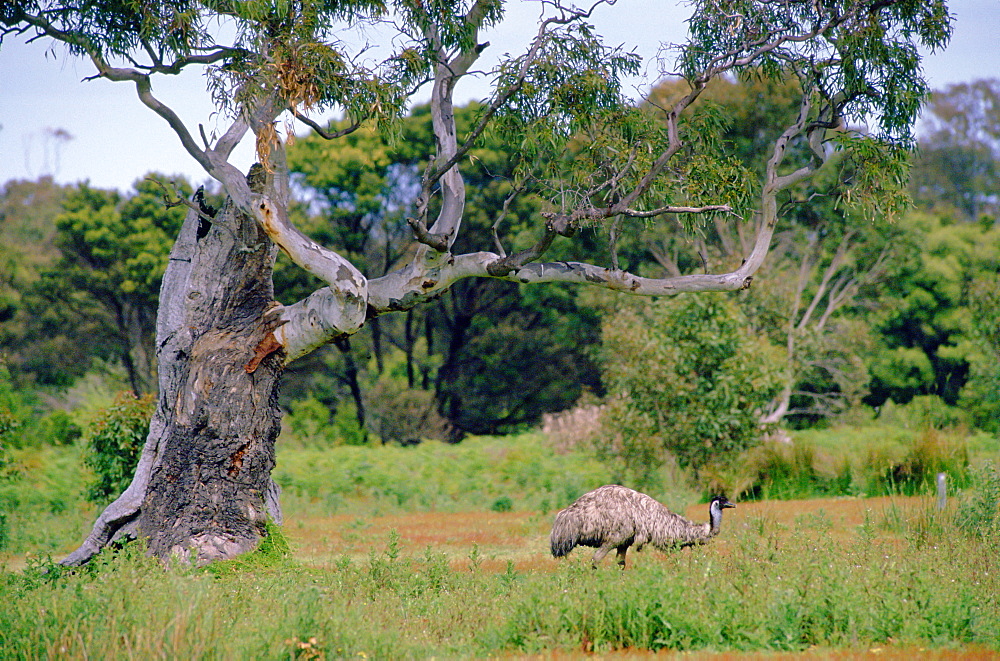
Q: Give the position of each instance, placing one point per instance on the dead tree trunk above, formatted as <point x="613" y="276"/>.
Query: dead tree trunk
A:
<point x="202" y="488"/>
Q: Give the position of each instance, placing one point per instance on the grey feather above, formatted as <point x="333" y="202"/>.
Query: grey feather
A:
<point x="616" y="517"/>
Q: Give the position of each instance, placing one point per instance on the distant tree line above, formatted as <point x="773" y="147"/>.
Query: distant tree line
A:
<point x="854" y="310"/>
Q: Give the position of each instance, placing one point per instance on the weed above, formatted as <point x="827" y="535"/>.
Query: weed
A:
<point x="502" y="504"/>
<point x="475" y="558"/>
<point x="979" y="511"/>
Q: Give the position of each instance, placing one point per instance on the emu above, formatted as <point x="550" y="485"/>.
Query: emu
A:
<point x="616" y="517"/>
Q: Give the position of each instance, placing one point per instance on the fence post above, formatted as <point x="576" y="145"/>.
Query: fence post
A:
<point x="942" y="490"/>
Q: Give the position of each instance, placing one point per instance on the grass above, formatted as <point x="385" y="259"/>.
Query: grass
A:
<point x="845" y="574"/>
<point x="516" y="473"/>
<point x="360" y="572"/>
<point x="868" y="460"/>
<point x="44" y="505"/>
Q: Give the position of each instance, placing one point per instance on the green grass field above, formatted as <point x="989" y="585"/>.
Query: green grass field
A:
<point x="456" y="565"/>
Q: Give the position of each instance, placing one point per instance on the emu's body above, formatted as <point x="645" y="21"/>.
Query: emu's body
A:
<point x="616" y="517"/>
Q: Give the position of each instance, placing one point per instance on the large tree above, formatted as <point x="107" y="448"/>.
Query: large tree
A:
<point x="203" y="486"/>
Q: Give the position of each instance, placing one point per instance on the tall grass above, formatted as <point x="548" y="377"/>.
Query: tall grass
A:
<point x="764" y="589"/>
<point x="43" y="499"/>
<point x="865" y="461"/>
<point x="905" y="578"/>
<point x="519" y="472"/>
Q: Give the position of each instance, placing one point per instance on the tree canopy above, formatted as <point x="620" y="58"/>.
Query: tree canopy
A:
<point x="584" y="147"/>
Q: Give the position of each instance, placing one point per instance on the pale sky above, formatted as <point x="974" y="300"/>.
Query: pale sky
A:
<point x="53" y="123"/>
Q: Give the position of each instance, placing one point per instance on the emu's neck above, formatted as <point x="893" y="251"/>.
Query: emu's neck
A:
<point x="715" y="519"/>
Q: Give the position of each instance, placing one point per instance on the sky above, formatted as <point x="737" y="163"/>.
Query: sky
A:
<point x="52" y="122"/>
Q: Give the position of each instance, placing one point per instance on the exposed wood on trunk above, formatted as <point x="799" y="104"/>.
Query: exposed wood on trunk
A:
<point x="203" y="486"/>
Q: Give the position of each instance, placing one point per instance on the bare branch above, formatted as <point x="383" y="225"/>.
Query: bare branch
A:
<point x="828" y="273"/>
<point x="449" y="152"/>
<point x="505" y="265"/>
<point x="676" y="209"/>
<point x="503" y="214"/>
<point x="410" y="286"/>
<point x="573" y="219"/>
<point x="173" y="199"/>
<point x="227" y="143"/>
<point x="323" y="133"/>
<point x="438" y="242"/>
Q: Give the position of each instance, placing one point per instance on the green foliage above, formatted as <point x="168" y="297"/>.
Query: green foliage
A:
<point x="869" y="54"/>
<point x="572" y="87"/>
<point x="23" y="422"/>
<point x="14" y="411"/>
<point x="26" y="247"/>
<point x="520" y="471"/>
<point x="272" y="552"/>
<point x="495" y="355"/>
<point x="788" y="471"/>
<point x="97" y="300"/>
<point x="41" y="498"/>
<point x="686" y="378"/>
<point x="980" y="396"/>
<point x="502" y="504"/>
<point x="404" y="415"/>
<point x="979" y="510"/>
<point x="878" y="172"/>
<point x="115" y="439"/>
<point x="869" y="460"/>
<point x="310" y="424"/>
<point x="939" y="267"/>
<point x="756" y="110"/>
<point x="525" y="357"/>
<point x="8" y="472"/>
<point x="930" y="452"/>
<point x="923" y="412"/>
<point x="59" y="428"/>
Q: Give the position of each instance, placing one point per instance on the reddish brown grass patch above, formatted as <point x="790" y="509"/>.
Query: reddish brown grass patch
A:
<point x="522" y="537"/>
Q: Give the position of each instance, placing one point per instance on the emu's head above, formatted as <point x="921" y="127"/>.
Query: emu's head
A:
<point x="718" y="504"/>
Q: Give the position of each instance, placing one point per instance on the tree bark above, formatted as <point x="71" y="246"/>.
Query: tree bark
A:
<point x="203" y="489"/>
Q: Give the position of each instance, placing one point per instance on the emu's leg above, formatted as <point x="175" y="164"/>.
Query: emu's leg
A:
<point x="599" y="555"/>
<point x="622" y="550"/>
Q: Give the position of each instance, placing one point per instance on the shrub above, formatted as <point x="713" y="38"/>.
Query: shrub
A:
<point x="6" y="473"/>
<point x="14" y="412"/>
<point x="922" y="412"/>
<point x="929" y="453"/>
<point x="790" y="470"/>
<point x="311" y="424"/>
<point x="115" y="439"/>
<point x="573" y="428"/>
<point x="58" y="428"/>
<point x="402" y="415"/>
<point x="979" y="512"/>
<point x="687" y="378"/>
<point x="502" y="504"/>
